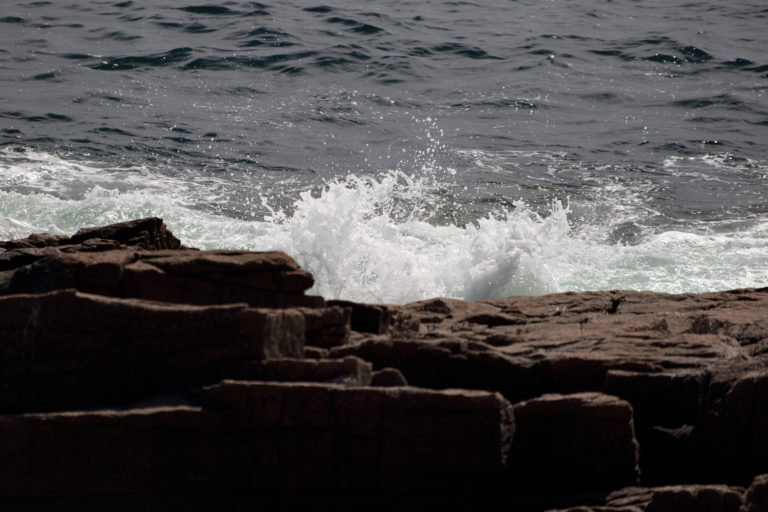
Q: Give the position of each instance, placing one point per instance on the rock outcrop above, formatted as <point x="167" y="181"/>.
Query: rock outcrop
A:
<point x="138" y="373"/>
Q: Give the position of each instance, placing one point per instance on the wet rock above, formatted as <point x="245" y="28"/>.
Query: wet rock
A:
<point x="149" y="233"/>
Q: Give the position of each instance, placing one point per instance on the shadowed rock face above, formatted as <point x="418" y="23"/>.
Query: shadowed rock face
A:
<point x="135" y="372"/>
<point x="70" y="349"/>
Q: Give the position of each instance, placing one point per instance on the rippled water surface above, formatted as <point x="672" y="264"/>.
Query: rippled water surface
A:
<point x="401" y="149"/>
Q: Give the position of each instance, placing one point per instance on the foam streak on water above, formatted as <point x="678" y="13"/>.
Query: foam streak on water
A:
<point x="373" y="239"/>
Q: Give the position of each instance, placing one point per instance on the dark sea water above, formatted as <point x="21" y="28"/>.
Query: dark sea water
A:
<point x="401" y="149"/>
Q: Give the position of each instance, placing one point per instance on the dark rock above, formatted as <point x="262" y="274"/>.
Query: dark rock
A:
<point x="735" y="430"/>
<point x="350" y="371"/>
<point x="69" y="349"/>
<point x="267" y="279"/>
<point x="667" y="399"/>
<point x="379" y="318"/>
<point x="370" y="318"/>
<point x="36" y="240"/>
<point x="257" y="438"/>
<point x="577" y="442"/>
<point x="326" y="327"/>
<point x="680" y="498"/>
<point x="452" y="363"/>
<point x="13" y="258"/>
<point x="686" y="374"/>
<point x="149" y="233"/>
<point x="388" y="377"/>
<point x="756" y="498"/>
<point x="144" y="234"/>
<point x="315" y="352"/>
<point x="597" y="508"/>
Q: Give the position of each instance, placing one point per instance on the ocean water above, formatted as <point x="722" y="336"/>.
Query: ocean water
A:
<point x="402" y="150"/>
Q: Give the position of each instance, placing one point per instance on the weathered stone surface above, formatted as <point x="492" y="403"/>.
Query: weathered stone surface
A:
<point x="267" y="279"/>
<point x="67" y="348"/>
<point x="675" y="358"/>
<point x="581" y="442"/>
<point x="253" y="437"/>
<point x="453" y="362"/>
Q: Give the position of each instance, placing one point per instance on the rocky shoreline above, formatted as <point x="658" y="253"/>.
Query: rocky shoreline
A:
<point x="136" y="372"/>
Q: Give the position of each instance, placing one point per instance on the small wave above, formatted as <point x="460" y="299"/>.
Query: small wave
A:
<point x="46" y="76"/>
<point x="515" y="103"/>
<point x="263" y="36"/>
<point x="726" y="100"/>
<point x="36" y="119"/>
<point x="257" y="9"/>
<point x="465" y="50"/>
<point x="275" y="62"/>
<point x="355" y="26"/>
<point x="216" y="10"/>
<point x="117" y="35"/>
<point x="320" y="9"/>
<point x="132" y="62"/>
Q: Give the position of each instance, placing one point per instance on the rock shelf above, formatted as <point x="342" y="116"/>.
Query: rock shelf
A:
<point x="136" y="372"/>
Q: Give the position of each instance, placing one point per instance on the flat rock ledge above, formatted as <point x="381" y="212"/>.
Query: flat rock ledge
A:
<point x="136" y="373"/>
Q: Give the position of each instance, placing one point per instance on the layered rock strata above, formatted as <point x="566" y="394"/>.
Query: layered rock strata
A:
<point x="136" y="372"/>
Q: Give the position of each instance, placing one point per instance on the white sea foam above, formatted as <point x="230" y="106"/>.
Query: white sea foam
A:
<point x="372" y="239"/>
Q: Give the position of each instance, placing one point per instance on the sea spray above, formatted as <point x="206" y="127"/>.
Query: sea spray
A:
<point x="361" y="244"/>
<point x="386" y="238"/>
